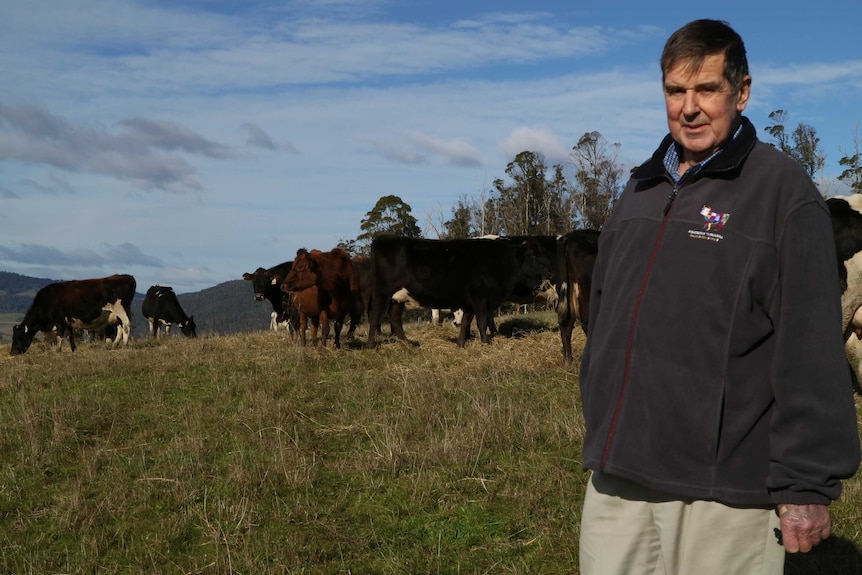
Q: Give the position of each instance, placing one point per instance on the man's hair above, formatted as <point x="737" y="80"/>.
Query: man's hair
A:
<point x="692" y="43"/>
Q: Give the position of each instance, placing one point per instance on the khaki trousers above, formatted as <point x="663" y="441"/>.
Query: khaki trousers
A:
<point x="627" y="529"/>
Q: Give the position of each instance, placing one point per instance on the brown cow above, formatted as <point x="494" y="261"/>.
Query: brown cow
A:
<point x="333" y="275"/>
<point x="311" y="311"/>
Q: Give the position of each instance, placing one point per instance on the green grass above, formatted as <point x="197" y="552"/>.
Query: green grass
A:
<point x="247" y="454"/>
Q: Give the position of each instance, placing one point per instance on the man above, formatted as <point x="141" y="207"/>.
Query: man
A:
<point x="717" y="398"/>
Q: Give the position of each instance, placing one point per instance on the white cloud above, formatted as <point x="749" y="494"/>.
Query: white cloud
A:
<point x="541" y="140"/>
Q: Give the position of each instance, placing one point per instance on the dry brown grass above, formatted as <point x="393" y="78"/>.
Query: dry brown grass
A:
<point x="249" y="454"/>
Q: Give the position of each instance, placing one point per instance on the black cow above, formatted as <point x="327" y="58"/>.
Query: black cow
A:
<point x="474" y="274"/>
<point x="161" y="307"/>
<point x="525" y="290"/>
<point x="85" y="304"/>
<point x="846" y="214"/>
<point x="267" y="285"/>
<point x="576" y="256"/>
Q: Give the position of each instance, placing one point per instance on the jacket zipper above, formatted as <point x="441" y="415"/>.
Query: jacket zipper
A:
<point x="629" y="342"/>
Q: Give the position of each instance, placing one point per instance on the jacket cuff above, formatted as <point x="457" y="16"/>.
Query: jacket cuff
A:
<point x="799" y="497"/>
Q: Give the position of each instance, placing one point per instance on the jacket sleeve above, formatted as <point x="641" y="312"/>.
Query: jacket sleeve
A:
<point x="814" y="440"/>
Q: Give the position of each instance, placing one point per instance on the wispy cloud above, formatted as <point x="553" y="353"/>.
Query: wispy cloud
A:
<point x="143" y="151"/>
<point x="125" y="254"/>
<point x="541" y="140"/>
<point x="256" y="137"/>
<point x="453" y="151"/>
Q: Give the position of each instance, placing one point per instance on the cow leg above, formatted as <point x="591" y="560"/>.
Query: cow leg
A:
<point x="464" y="332"/>
<point x="68" y="329"/>
<point x="124" y="324"/>
<point x="324" y="326"/>
<point x="336" y="331"/>
<point x="582" y="308"/>
<point x="482" y="326"/>
<point x="396" y="319"/>
<point x="375" y="315"/>
<point x="303" y="325"/>
<point x="355" y="315"/>
<point x="566" y="337"/>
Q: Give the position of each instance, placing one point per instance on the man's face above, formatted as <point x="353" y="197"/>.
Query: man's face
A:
<point x="702" y="107"/>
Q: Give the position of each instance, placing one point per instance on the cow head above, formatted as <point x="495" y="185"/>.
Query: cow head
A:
<point x="259" y="281"/>
<point x="22" y="337"/>
<point x="189" y="328"/>
<point x="303" y="274"/>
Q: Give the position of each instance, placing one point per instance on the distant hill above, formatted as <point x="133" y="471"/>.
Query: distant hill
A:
<point x="222" y="309"/>
<point x="17" y="291"/>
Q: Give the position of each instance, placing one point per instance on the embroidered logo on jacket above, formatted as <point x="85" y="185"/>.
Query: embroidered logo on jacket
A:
<point x="714" y="221"/>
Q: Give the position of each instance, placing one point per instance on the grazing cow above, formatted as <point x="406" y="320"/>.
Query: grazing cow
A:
<point x="161" y="307"/>
<point x="846" y="214"/>
<point x="474" y="274"/>
<point x="86" y="304"/>
<point x="576" y="256"/>
<point x="267" y="285"/>
<point x="337" y="286"/>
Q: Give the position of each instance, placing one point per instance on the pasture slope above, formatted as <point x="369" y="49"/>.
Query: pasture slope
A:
<point x="248" y="454"/>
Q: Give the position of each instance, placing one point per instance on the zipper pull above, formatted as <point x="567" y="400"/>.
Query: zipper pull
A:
<point x="670" y="199"/>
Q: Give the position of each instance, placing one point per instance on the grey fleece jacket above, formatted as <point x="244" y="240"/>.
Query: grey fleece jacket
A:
<point x="714" y="365"/>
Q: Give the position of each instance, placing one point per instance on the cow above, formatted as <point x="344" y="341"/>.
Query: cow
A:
<point x="311" y="310"/>
<point x="846" y="215"/>
<point x="86" y="304"/>
<point x="576" y="256"/>
<point x="288" y="319"/>
<point x="161" y="307"/>
<point x="474" y="274"/>
<point x="526" y="291"/>
<point x="337" y="285"/>
<point x="362" y="265"/>
<point x="266" y="284"/>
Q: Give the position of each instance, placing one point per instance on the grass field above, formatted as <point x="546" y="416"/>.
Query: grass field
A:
<point x="247" y="454"/>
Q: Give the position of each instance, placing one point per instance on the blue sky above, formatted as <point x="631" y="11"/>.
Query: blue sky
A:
<point x="189" y="141"/>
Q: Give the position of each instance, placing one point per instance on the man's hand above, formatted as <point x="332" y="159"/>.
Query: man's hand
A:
<point x="803" y="526"/>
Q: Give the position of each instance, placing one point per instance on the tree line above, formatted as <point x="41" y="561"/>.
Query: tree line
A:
<point x="537" y="199"/>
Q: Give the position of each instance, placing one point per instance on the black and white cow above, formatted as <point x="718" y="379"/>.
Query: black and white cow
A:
<point x="474" y="274"/>
<point x="84" y="304"/>
<point x="266" y="285"/>
<point x="576" y="256"/>
<point x="162" y="308"/>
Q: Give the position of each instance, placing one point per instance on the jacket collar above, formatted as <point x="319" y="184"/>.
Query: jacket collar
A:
<point x="731" y="157"/>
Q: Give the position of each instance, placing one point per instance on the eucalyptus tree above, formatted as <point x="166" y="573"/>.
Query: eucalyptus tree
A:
<point x="599" y="180"/>
<point x="390" y="215"/>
